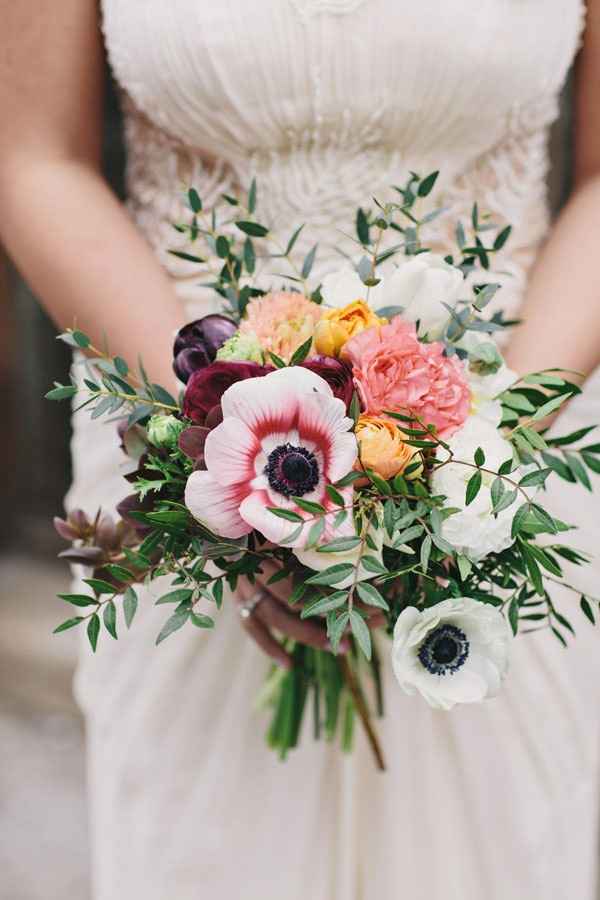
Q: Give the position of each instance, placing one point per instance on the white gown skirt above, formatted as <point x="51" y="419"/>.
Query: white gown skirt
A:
<point x="491" y="802"/>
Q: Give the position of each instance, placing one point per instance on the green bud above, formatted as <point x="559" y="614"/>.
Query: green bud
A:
<point x="163" y="431"/>
<point x="241" y="347"/>
<point x="485" y="359"/>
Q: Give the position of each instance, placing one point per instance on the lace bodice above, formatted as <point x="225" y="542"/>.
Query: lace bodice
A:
<point x="329" y="102"/>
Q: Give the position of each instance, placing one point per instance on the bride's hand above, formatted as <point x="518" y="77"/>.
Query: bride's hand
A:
<point x="273" y="612"/>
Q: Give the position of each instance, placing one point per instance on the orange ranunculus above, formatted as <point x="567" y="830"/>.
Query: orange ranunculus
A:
<point x="382" y="447"/>
<point x="337" y="326"/>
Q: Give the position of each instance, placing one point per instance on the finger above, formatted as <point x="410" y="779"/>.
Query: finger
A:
<point x="280" y="590"/>
<point x="267" y="643"/>
<point x="274" y="615"/>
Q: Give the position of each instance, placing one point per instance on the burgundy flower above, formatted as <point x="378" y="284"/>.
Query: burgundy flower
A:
<point x="206" y="386"/>
<point x="336" y="373"/>
<point x="196" y="344"/>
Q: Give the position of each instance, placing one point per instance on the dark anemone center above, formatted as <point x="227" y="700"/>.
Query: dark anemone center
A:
<point x="445" y="650"/>
<point x="292" y="471"/>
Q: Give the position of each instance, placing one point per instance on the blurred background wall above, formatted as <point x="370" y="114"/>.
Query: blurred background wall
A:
<point x="43" y="844"/>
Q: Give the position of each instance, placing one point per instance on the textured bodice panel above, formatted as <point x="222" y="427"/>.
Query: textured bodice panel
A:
<point x="328" y="102"/>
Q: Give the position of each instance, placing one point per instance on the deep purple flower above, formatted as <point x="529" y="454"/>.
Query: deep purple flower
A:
<point x="206" y="386"/>
<point x="196" y="344"/>
<point x="336" y="373"/>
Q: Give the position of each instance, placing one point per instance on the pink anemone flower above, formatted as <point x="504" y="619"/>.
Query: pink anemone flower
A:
<point x="283" y="435"/>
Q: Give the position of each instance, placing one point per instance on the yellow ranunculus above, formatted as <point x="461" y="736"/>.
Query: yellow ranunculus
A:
<point x="337" y="326"/>
<point x="382" y="447"/>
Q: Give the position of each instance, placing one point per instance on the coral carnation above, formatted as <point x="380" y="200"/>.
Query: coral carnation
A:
<point x="394" y="371"/>
<point x="281" y="322"/>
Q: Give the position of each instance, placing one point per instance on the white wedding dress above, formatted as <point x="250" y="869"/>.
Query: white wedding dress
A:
<point x="329" y="102"/>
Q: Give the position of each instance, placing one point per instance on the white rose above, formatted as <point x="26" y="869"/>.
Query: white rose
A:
<point x="420" y="285"/>
<point x="474" y="531"/>
<point x="453" y="652"/>
<point x="344" y="286"/>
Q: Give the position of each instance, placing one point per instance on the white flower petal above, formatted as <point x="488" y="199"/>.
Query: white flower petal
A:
<point x="216" y="506"/>
<point x="230" y="451"/>
<point x="342" y="287"/>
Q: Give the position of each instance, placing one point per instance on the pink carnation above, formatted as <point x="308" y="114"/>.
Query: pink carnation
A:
<point x="394" y="371"/>
<point x="281" y="321"/>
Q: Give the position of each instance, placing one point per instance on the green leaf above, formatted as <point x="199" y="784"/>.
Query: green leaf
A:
<point x="176" y="621"/>
<point x="119" y="572"/>
<point x="309" y="262"/>
<point x="479" y="457"/>
<point x="218" y="592"/>
<point x="372" y="564"/>
<point x="181" y="595"/>
<point x="558" y="466"/>
<point x="502" y="237"/>
<point x="252" y="196"/>
<point x="62" y="392"/>
<point x="473" y="485"/>
<point x="69" y="623"/>
<point x="336" y="630"/>
<point x="301" y="353"/>
<point x="513" y="615"/>
<point x="189" y="257"/>
<point x="362" y="227"/>
<point x="532" y="568"/>
<point x="194" y="200"/>
<point x="361" y="632"/>
<point x="99" y="586"/>
<point x="578" y="470"/>
<point x="81" y="339"/>
<point x="369" y="594"/>
<point x="249" y="256"/>
<point x="93" y="630"/>
<point x="322" y="605"/>
<point x="519" y="519"/>
<point x="201" y="621"/>
<point x="309" y="506"/>
<point x="222" y="246"/>
<point x="79" y="599"/>
<point x="537" y="477"/>
<point x="292" y="240"/>
<point x="339" y="545"/>
<point x="549" y="407"/>
<point x="331" y="575"/>
<point x="335" y="495"/>
<point x="287" y="514"/>
<point x="464" y="566"/>
<point x="277" y="361"/>
<point x="315" y="532"/>
<point x="591" y="462"/>
<point x="110" y="618"/>
<point x="252" y="228"/>
<point x="349" y="479"/>
<point x="425" y="553"/>
<point x="130" y="604"/>
<point x="587" y="610"/>
<point x="426" y="186"/>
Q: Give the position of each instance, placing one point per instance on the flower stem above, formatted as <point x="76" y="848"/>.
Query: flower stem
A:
<point x="363" y="711"/>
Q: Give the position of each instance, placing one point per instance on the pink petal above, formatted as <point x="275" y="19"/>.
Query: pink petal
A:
<point x="254" y="511"/>
<point x="216" y="506"/>
<point x="323" y="421"/>
<point x="230" y="451"/>
<point x="270" y="404"/>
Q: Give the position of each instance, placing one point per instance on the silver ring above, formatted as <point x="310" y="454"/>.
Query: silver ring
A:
<point x="247" y="608"/>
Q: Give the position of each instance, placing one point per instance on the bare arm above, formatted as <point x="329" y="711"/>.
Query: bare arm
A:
<point x="562" y="307"/>
<point x="59" y="220"/>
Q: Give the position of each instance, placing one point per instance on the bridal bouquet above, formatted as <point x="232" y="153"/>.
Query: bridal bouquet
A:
<point x="362" y="436"/>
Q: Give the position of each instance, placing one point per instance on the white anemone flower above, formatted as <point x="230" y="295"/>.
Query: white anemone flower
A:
<point x="453" y="652"/>
<point x="283" y="436"/>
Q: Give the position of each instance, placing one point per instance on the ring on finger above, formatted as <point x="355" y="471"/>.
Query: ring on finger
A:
<point x="246" y="609"/>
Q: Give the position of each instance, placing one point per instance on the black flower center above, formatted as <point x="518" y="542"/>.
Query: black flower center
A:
<point x="445" y="650"/>
<point x="292" y="471"/>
